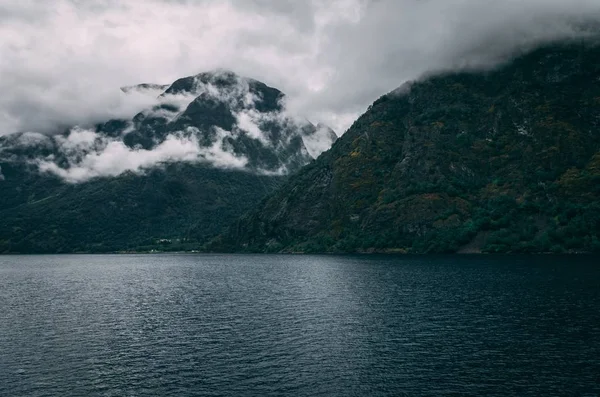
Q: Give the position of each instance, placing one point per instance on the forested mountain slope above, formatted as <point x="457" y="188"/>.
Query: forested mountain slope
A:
<point x="506" y="160"/>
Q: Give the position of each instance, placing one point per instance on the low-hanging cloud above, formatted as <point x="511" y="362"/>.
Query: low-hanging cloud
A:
<point x="63" y="61"/>
<point x="90" y="155"/>
<point x="81" y="154"/>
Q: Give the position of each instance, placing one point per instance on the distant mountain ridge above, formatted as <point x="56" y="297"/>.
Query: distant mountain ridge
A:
<point x="250" y="112"/>
<point x="226" y="114"/>
<point x="506" y="160"/>
<point x="212" y="146"/>
<point x="147" y="88"/>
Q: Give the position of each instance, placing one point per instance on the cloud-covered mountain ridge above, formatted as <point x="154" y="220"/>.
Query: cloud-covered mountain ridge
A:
<point x="217" y="118"/>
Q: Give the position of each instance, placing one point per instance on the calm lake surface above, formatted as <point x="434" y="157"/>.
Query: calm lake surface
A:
<point x="220" y="325"/>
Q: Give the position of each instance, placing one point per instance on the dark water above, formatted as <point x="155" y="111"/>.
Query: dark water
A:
<point x="179" y="325"/>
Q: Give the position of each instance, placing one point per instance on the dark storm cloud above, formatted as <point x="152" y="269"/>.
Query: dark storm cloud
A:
<point x="62" y="61"/>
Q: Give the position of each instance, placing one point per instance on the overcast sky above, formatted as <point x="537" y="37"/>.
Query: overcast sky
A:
<point x="63" y="61"/>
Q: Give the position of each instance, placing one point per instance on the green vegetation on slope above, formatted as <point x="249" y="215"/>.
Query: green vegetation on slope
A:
<point x="501" y="161"/>
<point x="166" y="209"/>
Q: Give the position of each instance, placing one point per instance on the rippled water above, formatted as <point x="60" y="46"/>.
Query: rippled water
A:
<point x="183" y="325"/>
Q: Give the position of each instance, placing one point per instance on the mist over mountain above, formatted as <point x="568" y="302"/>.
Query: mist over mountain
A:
<point x="217" y="118"/>
<point x="212" y="146"/>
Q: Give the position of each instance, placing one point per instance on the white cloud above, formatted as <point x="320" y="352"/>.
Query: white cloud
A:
<point x="318" y="142"/>
<point x="63" y="61"/>
<point x="90" y="155"/>
<point x="78" y="140"/>
<point x="248" y="121"/>
<point x="219" y="156"/>
<point x="32" y="139"/>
